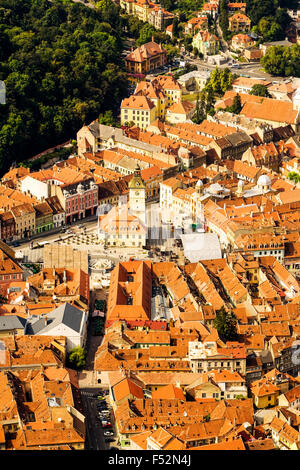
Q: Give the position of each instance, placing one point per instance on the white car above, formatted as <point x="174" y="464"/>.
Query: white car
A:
<point x="108" y="433"/>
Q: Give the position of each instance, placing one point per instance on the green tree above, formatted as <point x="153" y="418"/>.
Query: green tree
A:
<point x="271" y="19"/>
<point x="134" y="26"/>
<point x="210" y="99"/>
<point x="220" y="80"/>
<point x="199" y="114"/>
<point x="257" y="9"/>
<point x="270" y="29"/>
<point x="226" y="324"/>
<point x="77" y="358"/>
<point x="107" y="118"/>
<point x="236" y="107"/>
<point x="223" y="20"/>
<point x="176" y="27"/>
<point x="172" y="51"/>
<point x="61" y="63"/>
<point x="293" y="176"/>
<point x="167" y="4"/>
<point x="146" y="33"/>
<point x="282" y="61"/>
<point x="260" y="90"/>
<point x="188" y="6"/>
<point x="3" y="300"/>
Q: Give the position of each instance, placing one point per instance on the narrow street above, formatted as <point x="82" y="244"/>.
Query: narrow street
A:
<point x="95" y="439"/>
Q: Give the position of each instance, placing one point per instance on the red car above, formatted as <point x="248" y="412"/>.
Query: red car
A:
<point x="106" y="425"/>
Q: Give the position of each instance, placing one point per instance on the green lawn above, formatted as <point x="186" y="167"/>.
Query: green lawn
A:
<point x="190" y="97"/>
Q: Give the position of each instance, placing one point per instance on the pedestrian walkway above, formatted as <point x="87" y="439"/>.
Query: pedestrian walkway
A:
<point x="87" y="378"/>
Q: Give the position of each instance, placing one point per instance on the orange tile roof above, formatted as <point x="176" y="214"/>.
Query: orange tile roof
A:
<point x="262" y="388"/>
<point x="127" y="387"/>
<point x="144" y="52"/>
<point x="137" y="102"/>
<point x="169" y="391"/>
<point x="235" y="444"/>
<point x="117" y="307"/>
<point x="184" y="107"/>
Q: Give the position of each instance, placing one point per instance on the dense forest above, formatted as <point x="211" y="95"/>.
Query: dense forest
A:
<point x="269" y="19"/>
<point x="61" y="64"/>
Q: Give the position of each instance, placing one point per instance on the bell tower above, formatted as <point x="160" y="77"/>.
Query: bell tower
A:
<point x="137" y="195"/>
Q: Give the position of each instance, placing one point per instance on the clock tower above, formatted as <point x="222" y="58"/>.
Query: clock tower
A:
<point x="137" y="197"/>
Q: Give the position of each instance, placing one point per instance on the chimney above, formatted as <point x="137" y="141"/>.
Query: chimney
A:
<point x="46" y="320"/>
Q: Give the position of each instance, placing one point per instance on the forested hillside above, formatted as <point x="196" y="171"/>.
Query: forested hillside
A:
<point x="61" y="63"/>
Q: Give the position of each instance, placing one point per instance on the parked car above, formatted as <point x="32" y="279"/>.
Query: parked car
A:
<point x="108" y="433"/>
<point x="100" y="397"/>
<point x="102" y="402"/>
<point x="106" y="425"/>
<point x="101" y="408"/>
<point x="108" y="439"/>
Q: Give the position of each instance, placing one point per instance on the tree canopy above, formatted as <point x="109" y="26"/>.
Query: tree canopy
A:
<point x="61" y="64"/>
<point x="226" y="324"/>
<point x="77" y="358"/>
<point x="293" y="176"/>
<point x="260" y="90"/>
<point x="219" y="82"/>
<point x="269" y="18"/>
<point x="282" y="61"/>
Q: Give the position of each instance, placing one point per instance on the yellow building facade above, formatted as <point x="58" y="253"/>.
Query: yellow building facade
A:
<point x="138" y="110"/>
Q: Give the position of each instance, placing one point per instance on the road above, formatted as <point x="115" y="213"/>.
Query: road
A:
<point x="86" y="3"/>
<point x="95" y="439"/>
<point x="252" y="70"/>
<point x="94" y="431"/>
<point x="54" y="235"/>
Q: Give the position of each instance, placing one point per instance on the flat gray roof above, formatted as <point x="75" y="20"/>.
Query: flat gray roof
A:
<point x="201" y="246"/>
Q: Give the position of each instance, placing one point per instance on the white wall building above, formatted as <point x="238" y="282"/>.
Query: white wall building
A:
<point x="66" y="320"/>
